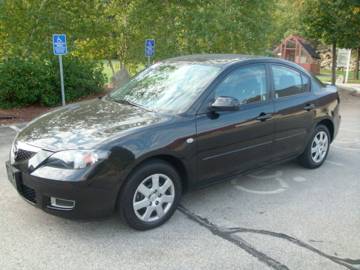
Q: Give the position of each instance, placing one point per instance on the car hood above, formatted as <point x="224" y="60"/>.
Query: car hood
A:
<point x="84" y="125"/>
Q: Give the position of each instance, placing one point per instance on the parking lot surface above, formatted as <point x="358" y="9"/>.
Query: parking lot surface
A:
<point x="282" y="217"/>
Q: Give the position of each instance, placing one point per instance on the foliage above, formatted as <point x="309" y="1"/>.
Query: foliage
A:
<point x="116" y="29"/>
<point x="32" y="81"/>
<point x="21" y="81"/>
<point x="351" y="35"/>
<point x="333" y="21"/>
<point x="286" y="20"/>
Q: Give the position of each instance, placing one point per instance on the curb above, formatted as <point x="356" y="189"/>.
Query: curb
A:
<point x="349" y="88"/>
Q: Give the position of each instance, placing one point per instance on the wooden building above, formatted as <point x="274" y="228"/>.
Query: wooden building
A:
<point x="296" y="49"/>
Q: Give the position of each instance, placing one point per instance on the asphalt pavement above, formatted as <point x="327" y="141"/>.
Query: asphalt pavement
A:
<point x="283" y="217"/>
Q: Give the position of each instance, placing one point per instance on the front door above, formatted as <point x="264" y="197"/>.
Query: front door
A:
<point x="234" y="141"/>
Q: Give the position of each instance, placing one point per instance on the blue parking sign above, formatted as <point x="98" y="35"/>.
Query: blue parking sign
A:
<point x="59" y="44"/>
<point x="149" y="47"/>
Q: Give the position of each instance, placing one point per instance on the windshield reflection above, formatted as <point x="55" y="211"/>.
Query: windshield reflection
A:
<point x="170" y="87"/>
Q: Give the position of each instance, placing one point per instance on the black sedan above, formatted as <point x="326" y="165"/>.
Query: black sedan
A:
<point x="180" y="124"/>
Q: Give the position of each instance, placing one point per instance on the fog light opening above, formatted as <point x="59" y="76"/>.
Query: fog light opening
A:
<point x="62" y="203"/>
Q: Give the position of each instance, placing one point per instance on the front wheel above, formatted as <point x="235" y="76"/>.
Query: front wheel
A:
<point x="317" y="149"/>
<point x="150" y="196"/>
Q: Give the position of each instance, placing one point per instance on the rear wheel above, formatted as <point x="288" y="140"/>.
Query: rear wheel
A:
<point x="317" y="149"/>
<point x="150" y="196"/>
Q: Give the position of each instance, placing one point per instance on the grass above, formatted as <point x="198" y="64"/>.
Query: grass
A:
<point x="325" y="76"/>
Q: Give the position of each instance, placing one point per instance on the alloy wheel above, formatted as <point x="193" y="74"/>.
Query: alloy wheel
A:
<point x="153" y="197"/>
<point x="319" y="146"/>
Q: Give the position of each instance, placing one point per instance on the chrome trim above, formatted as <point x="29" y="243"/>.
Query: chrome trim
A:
<point x="55" y="205"/>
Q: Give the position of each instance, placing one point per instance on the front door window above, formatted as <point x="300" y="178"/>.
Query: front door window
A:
<point x="247" y="84"/>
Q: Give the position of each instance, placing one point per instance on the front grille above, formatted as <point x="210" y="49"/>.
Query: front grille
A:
<point x="21" y="155"/>
<point x="28" y="193"/>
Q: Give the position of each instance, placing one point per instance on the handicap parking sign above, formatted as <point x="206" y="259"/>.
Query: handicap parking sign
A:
<point x="149" y="47"/>
<point x="59" y="44"/>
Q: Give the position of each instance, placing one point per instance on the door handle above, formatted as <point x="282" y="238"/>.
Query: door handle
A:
<point x="264" y="116"/>
<point x="309" y="107"/>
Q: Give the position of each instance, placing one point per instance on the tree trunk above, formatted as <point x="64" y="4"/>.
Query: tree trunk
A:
<point x="356" y="71"/>
<point x="111" y="66"/>
<point x="125" y="72"/>
<point x="333" y="67"/>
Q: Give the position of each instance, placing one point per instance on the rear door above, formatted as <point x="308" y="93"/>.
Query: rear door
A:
<point x="233" y="141"/>
<point x="294" y="110"/>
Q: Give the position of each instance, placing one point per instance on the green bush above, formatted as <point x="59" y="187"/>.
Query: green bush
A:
<point x="25" y="82"/>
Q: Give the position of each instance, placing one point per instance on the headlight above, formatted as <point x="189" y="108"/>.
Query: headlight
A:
<point x="76" y="159"/>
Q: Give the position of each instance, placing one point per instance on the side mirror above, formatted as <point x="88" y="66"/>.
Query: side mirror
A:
<point x="225" y="104"/>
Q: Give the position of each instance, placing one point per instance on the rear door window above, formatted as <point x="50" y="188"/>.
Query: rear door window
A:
<point x="287" y="82"/>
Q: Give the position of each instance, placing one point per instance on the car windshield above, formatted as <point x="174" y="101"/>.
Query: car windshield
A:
<point x="169" y="87"/>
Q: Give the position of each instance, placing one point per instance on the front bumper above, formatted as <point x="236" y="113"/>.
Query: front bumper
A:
<point x="90" y="201"/>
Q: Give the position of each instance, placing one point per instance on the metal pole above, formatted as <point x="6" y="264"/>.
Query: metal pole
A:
<point x="348" y="67"/>
<point x="62" y="81"/>
<point x="148" y="61"/>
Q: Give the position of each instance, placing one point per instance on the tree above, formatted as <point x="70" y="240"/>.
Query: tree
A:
<point x="28" y="25"/>
<point x="351" y="37"/>
<point x="116" y="29"/>
<point x="328" y="20"/>
<point x="285" y="22"/>
<point x="190" y="26"/>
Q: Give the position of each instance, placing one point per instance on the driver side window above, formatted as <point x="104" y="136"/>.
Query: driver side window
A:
<point x="246" y="84"/>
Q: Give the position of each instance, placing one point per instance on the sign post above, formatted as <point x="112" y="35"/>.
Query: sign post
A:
<point x="348" y="66"/>
<point x="149" y="49"/>
<point x="60" y="49"/>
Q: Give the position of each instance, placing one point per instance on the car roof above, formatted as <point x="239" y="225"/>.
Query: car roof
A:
<point x="213" y="59"/>
<point x="225" y="60"/>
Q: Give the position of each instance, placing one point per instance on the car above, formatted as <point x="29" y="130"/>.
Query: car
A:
<point x="180" y="124"/>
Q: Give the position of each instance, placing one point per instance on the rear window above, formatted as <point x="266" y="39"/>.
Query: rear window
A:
<point x="320" y="83"/>
<point x="317" y="85"/>
<point x="305" y="82"/>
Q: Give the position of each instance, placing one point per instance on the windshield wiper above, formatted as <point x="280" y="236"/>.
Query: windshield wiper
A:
<point x="127" y="102"/>
<point x="122" y="101"/>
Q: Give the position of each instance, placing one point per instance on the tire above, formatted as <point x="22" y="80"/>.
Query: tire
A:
<point x="314" y="157"/>
<point x="141" y="200"/>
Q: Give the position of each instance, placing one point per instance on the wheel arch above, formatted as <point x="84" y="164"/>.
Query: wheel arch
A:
<point x="173" y="161"/>
<point x="330" y="125"/>
<point x="178" y="165"/>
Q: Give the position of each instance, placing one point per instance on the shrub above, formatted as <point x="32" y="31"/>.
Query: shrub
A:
<point x="25" y="82"/>
<point x="22" y="81"/>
